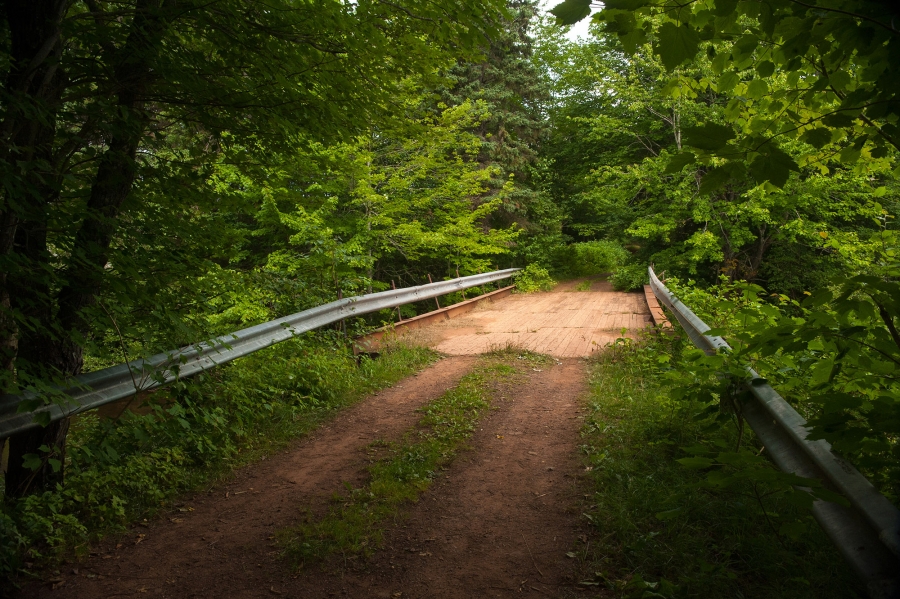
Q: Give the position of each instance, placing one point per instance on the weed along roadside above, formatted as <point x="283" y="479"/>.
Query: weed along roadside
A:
<point x="457" y="478"/>
<point x="657" y="526"/>
<point x="133" y="468"/>
<point x="495" y="519"/>
<point x="400" y="471"/>
<point x="505" y="472"/>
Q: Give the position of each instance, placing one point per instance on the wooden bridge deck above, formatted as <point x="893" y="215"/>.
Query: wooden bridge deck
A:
<point x="561" y="323"/>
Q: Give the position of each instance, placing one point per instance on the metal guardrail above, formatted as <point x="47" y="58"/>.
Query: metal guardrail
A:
<point x="868" y="532"/>
<point x="118" y="382"/>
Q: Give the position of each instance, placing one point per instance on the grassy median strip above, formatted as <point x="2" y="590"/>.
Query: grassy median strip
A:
<point x="657" y="528"/>
<point x="355" y="523"/>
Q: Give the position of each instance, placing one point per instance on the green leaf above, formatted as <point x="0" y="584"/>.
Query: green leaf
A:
<point x="821" y="372"/>
<point x="757" y="89"/>
<point x="677" y="44"/>
<point x="710" y="137"/>
<point x="633" y="40"/>
<point x="626" y="4"/>
<point x="679" y="161"/>
<point x="718" y="177"/>
<point x="718" y="63"/>
<point x="28" y="405"/>
<point x="774" y="166"/>
<point x="850" y="155"/>
<point x="727" y="82"/>
<point x="817" y="138"/>
<point x="765" y="68"/>
<point x="838" y="120"/>
<point x="713" y="180"/>
<point x="42" y="418"/>
<point x="744" y="47"/>
<point x="826" y="495"/>
<point x="839" y="79"/>
<point x="31" y="461"/>
<point x="571" y="11"/>
<point x="724" y="8"/>
<point x="796" y="46"/>
<point x="696" y="462"/>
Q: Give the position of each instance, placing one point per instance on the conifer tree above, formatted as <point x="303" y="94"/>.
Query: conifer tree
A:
<point x="515" y="91"/>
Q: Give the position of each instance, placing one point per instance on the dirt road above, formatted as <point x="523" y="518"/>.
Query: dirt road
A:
<point x="498" y="522"/>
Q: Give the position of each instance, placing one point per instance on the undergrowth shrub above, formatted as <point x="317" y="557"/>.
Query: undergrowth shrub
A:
<point x="833" y="357"/>
<point x="682" y="503"/>
<point x="594" y="257"/>
<point x="534" y="278"/>
<point x="187" y="435"/>
<point x="629" y="277"/>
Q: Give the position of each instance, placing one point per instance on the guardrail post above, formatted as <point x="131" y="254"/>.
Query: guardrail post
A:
<point x="343" y="324"/>
<point x="399" y="315"/>
<point x="436" y="302"/>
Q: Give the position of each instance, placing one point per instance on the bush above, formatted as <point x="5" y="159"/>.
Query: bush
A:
<point x="534" y="278"/>
<point x="629" y="277"/>
<point x="594" y="257"/>
<point x="655" y="515"/>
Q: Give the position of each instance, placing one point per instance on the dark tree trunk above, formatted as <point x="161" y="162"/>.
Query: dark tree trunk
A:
<point x="113" y="182"/>
<point x="62" y="353"/>
<point x="34" y="88"/>
<point x="9" y="341"/>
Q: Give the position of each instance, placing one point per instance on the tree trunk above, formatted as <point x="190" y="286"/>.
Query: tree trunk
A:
<point x="34" y="86"/>
<point x="62" y="354"/>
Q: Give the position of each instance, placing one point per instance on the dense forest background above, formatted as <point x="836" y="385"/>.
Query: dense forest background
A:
<point x="175" y="171"/>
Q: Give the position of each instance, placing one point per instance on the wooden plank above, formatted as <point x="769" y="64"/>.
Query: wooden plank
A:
<point x="656" y="312"/>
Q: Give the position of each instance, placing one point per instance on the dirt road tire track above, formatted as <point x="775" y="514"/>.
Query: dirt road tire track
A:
<point x="222" y="548"/>
<point x="500" y="520"/>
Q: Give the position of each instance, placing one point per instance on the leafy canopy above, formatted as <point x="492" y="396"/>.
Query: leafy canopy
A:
<point x="825" y="74"/>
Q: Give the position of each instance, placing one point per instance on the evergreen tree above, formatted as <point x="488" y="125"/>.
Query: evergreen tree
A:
<point x="516" y="92"/>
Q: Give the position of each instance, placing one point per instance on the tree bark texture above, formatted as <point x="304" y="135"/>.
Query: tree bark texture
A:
<point x="33" y="91"/>
<point x="56" y="348"/>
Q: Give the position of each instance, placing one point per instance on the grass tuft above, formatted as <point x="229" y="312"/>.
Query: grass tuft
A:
<point x="583" y="286"/>
<point x="355" y="523"/>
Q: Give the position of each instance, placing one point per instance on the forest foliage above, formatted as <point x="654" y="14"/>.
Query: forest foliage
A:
<point x="749" y="151"/>
<point x="175" y="171"/>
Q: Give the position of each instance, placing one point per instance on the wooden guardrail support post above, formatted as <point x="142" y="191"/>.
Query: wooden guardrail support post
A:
<point x="399" y="315"/>
<point x="437" y="303"/>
